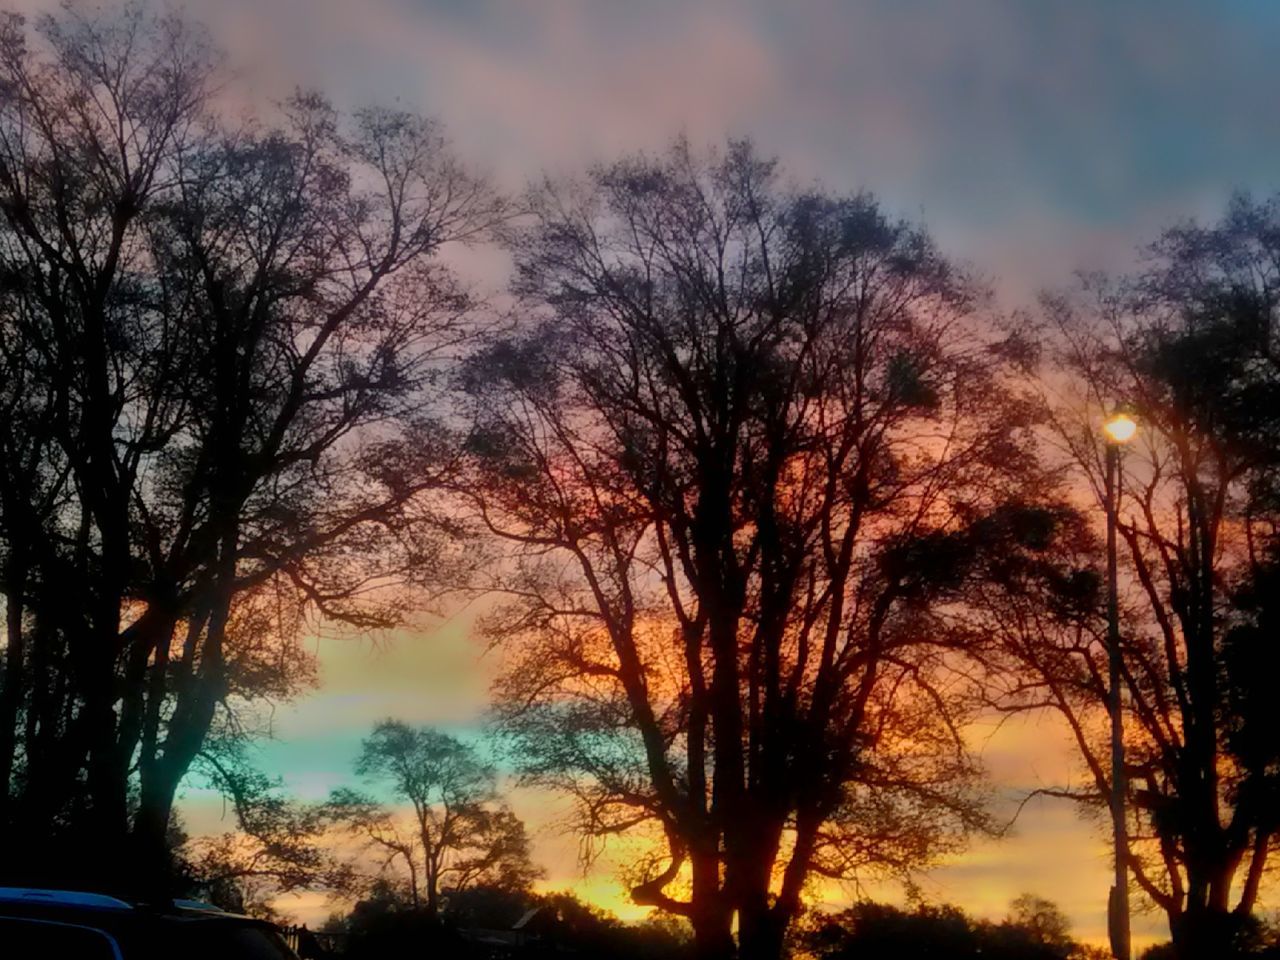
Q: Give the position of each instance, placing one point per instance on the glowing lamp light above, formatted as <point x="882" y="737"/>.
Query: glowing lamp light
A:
<point x="1120" y="428"/>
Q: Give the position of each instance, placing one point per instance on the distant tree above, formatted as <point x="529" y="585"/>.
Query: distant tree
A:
<point x="564" y="923"/>
<point x="458" y="835"/>
<point x="736" y="451"/>
<point x="1034" y="930"/>
<point x="1190" y="345"/>
<point x="385" y="924"/>
<point x="879" y="931"/>
<point x="489" y="907"/>
<point x="1042" y="921"/>
<point x="278" y="845"/>
<point x="216" y="342"/>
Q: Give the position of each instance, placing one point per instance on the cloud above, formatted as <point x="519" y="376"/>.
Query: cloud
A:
<point x="1057" y="124"/>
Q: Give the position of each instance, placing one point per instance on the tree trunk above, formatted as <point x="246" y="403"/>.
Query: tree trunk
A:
<point x="1253" y="878"/>
<point x="761" y="935"/>
<point x="107" y="821"/>
<point x="11" y="682"/>
<point x="152" y="862"/>
<point x="198" y="699"/>
<point x="712" y="936"/>
<point x="151" y="866"/>
<point x="433" y="902"/>
<point x="760" y="926"/>
<point x="1203" y="932"/>
<point x="711" y="917"/>
<point x="1207" y="927"/>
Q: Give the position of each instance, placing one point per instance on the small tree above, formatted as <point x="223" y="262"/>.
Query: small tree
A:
<point x="459" y="834"/>
<point x="1042" y="922"/>
<point x="278" y="845"/>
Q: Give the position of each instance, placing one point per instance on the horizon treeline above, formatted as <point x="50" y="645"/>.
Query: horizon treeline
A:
<point x="767" y="500"/>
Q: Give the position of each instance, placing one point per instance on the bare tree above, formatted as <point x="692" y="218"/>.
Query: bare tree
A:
<point x="736" y="450"/>
<point x="459" y="834"/>
<point x="278" y="845"/>
<point x="223" y="336"/>
<point x="1190" y="346"/>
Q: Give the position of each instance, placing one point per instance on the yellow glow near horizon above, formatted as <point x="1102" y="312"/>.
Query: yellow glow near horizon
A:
<point x="1120" y="428"/>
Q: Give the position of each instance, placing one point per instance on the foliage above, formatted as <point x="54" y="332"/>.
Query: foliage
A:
<point x="458" y="835"/>
<point x="279" y="845"/>
<point x="1248" y="937"/>
<point x="591" y="932"/>
<point x="739" y="448"/>
<point x="1034" y="930"/>
<point x="556" y="923"/>
<point x="1188" y="346"/>
<point x="216" y="344"/>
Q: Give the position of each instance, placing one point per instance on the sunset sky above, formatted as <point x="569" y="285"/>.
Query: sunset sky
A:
<point x="1034" y="137"/>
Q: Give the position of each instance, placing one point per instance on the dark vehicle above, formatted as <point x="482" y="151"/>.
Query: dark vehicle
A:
<point x="66" y="925"/>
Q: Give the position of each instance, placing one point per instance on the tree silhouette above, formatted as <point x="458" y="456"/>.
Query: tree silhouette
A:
<point x="737" y="448"/>
<point x="1034" y="930"/>
<point x="459" y="835"/>
<point x="212" y="339"/>
<point x="1189" y="345"/>
<point x="555" y="923"/>
<point x="279" y="844"/>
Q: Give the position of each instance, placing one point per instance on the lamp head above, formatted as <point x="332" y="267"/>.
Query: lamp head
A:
<point x="1120" y="428"/>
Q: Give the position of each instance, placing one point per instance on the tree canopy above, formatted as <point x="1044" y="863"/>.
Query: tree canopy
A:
<point x="211" y="334"/>
<point x="1188" y="344"/>
<point x="742" y="448"/>
<point x="458" y="835"/>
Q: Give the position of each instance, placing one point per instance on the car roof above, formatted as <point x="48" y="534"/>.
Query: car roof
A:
<point x="64" y="898"/>
<point x="138" y="931"/>
<point x="179" y="909"/>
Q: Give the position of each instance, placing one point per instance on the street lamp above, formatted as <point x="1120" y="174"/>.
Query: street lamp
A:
<point x="1119" y="429"/>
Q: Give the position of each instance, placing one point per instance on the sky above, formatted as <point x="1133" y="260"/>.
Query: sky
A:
<point x="1034" y="137"/>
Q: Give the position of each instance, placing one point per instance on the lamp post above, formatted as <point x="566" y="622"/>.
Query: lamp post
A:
<point x="1119" y="430"/>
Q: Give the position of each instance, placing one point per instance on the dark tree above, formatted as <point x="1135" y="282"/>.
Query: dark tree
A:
<point x="736" y="451"/>
<point x="212" y="339"/>
<point x="458" y="834"/>
<point x="529" y="925"/>
<point x="279" y="845"/>
<point x="1034" y="930"/>
<point x="1190" y="345"/>
<point x="564" y="923"/>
